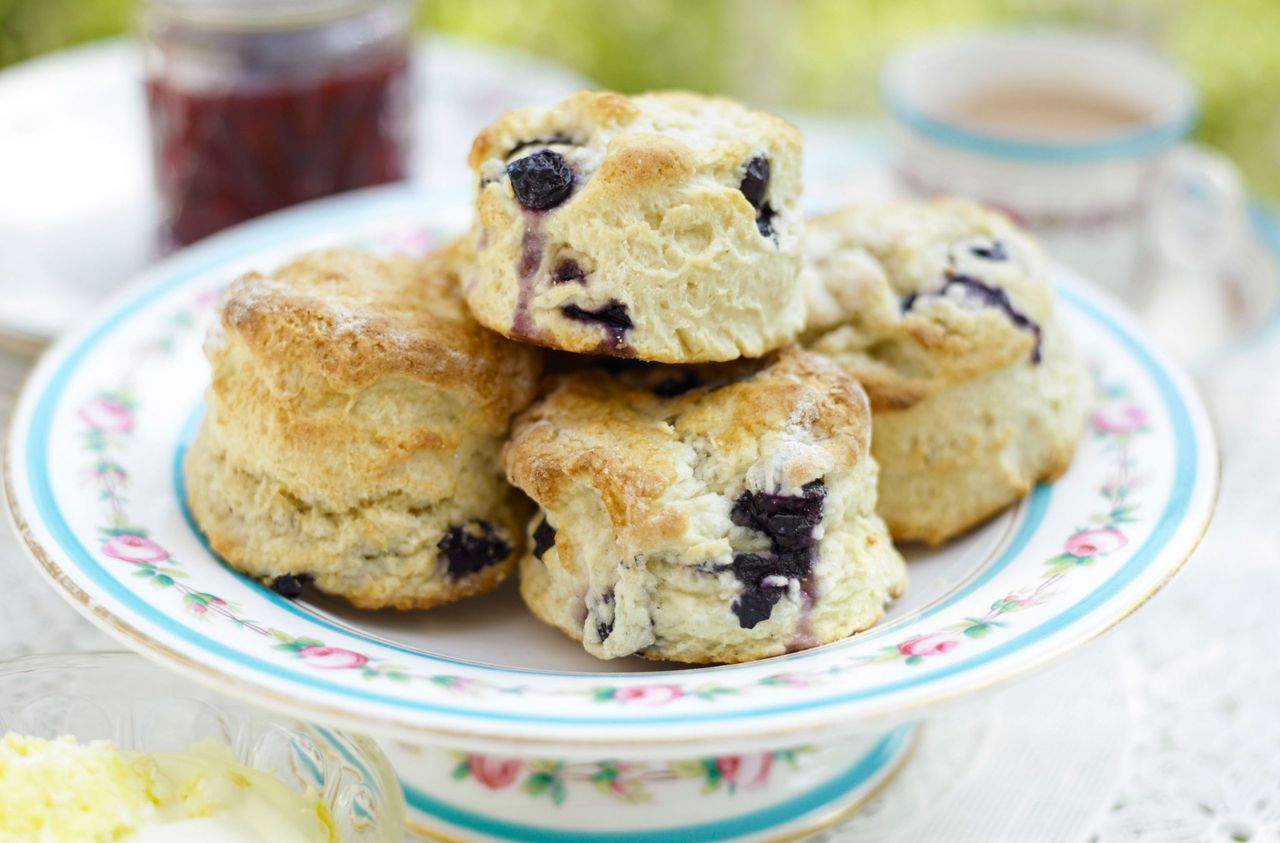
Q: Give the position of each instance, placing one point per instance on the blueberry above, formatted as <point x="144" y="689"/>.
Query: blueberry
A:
<point x="291" y="585"/>
<point x="613" y="316"/>
<point x="544" y="538"/>
<point x="677" y="384"/>
<point x="998" y="298"/>
<point x="754" y="185"/>
<point x="788" y="520"/>
<point x="542" y="180"/>
<point x="470" y="548"/>
<point x="605" y="628"/>
<point x="764" y="220"/>
<point x="764" y="579"/>
<point x="568" y="270"/>
<point x="993" y="252"/>
<point x="755" y="181"/>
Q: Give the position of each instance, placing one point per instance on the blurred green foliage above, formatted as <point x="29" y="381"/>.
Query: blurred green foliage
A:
<point x="805" y="54"/>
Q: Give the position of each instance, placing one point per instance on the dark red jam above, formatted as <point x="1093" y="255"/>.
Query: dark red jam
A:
<point x="249" y="122"/>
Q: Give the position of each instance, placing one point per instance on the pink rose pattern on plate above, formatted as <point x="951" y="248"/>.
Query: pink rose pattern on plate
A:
<point x="625" y="782"/>
<point x="139" y="550"/>
<point x="109" y="421"/>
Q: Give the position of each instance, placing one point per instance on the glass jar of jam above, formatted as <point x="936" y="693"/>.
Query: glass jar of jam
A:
<point x="259" y="104"/>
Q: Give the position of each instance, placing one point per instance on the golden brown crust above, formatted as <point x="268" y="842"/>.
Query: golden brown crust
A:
<point x="353" y="427"/>
<point x="943" y="311"/>
<point x="595" y="108"/>
<point x="648" y="479"/>
<point x="626" y="439"/>
<point x="654" y="229"/>
<point x="355" y="318"/>
<point x="863" y="266"/>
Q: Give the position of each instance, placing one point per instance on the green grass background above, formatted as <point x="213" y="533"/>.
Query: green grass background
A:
<point x="813" y="54"/>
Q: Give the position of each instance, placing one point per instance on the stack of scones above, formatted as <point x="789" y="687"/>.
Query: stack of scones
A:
<point x="694" y="419"/>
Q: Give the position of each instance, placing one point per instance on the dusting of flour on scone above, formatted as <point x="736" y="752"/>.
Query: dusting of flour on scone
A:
<point x="664" y="227"/>
<point x="700" y="518"/>
<point x="352" y="432"/>
<point x="944" y="312"/>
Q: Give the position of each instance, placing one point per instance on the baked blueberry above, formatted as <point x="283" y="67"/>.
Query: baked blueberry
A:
<point x="998" y="298"/>
<point x="788" y="520"/>
<point x="568" y="270"/>
<point x="764" y="220"/>
<point x="765" y="577"/>
<point x="604" y="628"/>
<point x="542" y="180"/>
<point x="544" y="538"/>
<point x="613" y="316"/>
<point x="472" y="547"/>
<point x="978" y="305"/>
<point x="989" y="296"/>
<point x="688" y="526"/>
<point x="655" y="197"/>
<point x="290" y="585"/>
<point x="755" y="181"/>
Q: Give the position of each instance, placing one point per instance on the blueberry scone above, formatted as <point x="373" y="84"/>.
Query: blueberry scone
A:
<point x="353" y="428"/>
<point x="944" y="313"/>
<point x="663" y="227"/>
<point x="704" y="522"/>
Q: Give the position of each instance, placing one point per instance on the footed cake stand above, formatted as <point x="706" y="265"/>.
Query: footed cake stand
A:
<point x="501" y="728"/>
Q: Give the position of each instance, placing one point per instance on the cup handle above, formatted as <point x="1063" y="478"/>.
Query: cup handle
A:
<point x="1199" y="211"/>
<point x="1194" y="296"/>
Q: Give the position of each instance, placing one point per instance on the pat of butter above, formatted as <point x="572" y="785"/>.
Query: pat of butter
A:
<point x="64" y="792"/>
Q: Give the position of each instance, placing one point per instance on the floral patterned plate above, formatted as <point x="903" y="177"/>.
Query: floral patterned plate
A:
<point x="93" y="477"/>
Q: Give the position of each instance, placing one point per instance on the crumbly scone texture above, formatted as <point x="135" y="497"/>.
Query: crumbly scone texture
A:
<point x="353" y="428"/>
<point x="944" y="312"/>
<point x="724" y="522"/>
<point x="677" y="238"/>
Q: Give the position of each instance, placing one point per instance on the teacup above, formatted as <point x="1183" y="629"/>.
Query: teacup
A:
<point x="1078" y="136"/>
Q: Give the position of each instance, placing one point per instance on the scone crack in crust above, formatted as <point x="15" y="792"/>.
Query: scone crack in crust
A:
<point x="716" y="525"/>
<point x="914" y="298"/>
<point x="664" y="227"/>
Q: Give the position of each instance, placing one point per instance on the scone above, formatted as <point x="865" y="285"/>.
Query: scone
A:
<point x="353" y="428"/>
<point x="702" y="521"/>
<point x="663" y="227"/>
<point x="944" y="313"/>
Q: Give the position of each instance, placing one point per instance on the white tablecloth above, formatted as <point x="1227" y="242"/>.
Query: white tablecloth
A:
<point x="1165" y="730"/>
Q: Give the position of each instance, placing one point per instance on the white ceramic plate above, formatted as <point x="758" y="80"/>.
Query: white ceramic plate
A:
<point x="94" y="482"/>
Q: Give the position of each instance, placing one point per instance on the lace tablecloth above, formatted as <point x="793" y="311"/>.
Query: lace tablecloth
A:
<point x="1165" y="730"/>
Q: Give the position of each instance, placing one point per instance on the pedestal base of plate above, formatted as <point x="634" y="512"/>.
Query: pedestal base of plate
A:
<point x="753" y="796"/>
